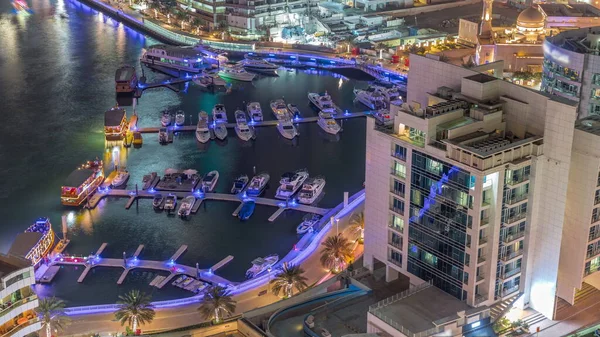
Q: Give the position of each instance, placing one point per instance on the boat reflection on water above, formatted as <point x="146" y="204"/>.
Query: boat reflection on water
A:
<point x="21" y="7"/>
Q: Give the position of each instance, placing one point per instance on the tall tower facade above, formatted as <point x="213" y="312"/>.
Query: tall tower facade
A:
<point x="485" y="29"/>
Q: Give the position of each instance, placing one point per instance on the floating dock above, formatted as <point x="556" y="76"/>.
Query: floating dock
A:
<point x="49" y="274"/>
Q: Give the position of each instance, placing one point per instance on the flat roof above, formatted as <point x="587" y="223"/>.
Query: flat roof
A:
<point x="24" y="242"/>
<point x="481" y="78"/>
<point x="124" y="74"/>
<point x="10" y="264"/>
<point x="114" y="116"/>
<point x="78" y="177"/>
<point x="419" y="311"/>
<point x="590" y="124"/>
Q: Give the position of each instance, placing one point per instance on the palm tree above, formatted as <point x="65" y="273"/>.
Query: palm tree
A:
<point x="134" y="308"/>
<point x="357" y="226"/>
<point x="336" y="253"/>
<point x="155" y="6"/>
<point x="196" y="23"/>
<point x="182" y="16"/>
<point x="381" y="47"/>
<point x="217" y="300"/>
<point x="289" y="278"/>
<point x="52" y="314"/>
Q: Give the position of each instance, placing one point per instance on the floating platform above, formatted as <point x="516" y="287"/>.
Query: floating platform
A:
<point x="171" y="184"/>
<point x="49" y="274"/>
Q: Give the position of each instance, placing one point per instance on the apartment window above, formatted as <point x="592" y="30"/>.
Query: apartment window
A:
<point x="594" y="233"/>
<point x="596" y="93"/>
<point x="592" y="266"/>
<point x="398" y="206"/>
<point x="597" y="197"/>
<point x="598" y="180"/>
<point x="397" y="223"/>
<point x="398" y="188"/>
<point x="399" y="152"/>
<point x="395" y="257"/>
<point x="467" y="259"/>
<point x="595" y="215"/>
<point x="399" y="170"/>
<point x="396" y="240"/>
<point x="465" y="277"/>
<point x="17" y="278"/>
<point x="593" y="249"/>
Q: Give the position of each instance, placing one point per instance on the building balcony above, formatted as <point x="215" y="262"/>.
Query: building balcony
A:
<point x="395" y="262"/>
<point x="517" y="199"/>
<point x="510" y="274"/>
<point x="596" y="200"/>
<point x="397" y="210"/>
<point x="479" y="298"/>
<point x="511" y="256"/>
<point x="518" y="180"/>
<point x="486" y="203"/>
<point x="481" y="259"/>
<point x="399" y="155"/>
<point x="483" y="240"/>
<point x="514" y="219"/>
<point x="398" y="174"/>
<point x="9" y="308"/>
<point x="511" y="238"/>
<point x="484" y="222"/>
<point x="592" y="254"/>
<point x="395" y="244"/>
<point x="21" y="329"/>
<point x="479" y="278"/>
<point x="510" y="291"/>
<point x="397" y="192"/>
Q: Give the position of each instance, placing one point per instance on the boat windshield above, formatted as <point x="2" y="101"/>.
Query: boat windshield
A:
<point x="288" y="127"/>
<point x="208" y="178"/>
<point x="238" y="184"/>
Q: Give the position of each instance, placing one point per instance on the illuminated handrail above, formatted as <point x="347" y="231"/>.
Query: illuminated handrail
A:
<point x="17" y="303"/>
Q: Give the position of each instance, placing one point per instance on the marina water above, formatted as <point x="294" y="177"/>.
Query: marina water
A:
<point x="56" y="80"/>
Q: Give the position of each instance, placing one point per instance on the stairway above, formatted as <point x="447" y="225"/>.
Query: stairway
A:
<point x="500" y="308"/>
<point x="584" y="297"/>
<point x="534" y="319"/>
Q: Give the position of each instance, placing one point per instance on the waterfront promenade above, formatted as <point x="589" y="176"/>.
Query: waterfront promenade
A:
<point x="249" y="295"/>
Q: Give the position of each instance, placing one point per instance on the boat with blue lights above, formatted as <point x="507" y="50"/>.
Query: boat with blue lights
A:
<point x="308" y="223"/>
<point x="287" y="129"/>
<point x="242" y="129"/>
<point x="324" y="102"/>
<point x="261" y="264"/>
<point x="186" y="206"/>
<point x="328" y="123"/>
<point x="294" y="111"/>
<point x="239" y="184"/>
<point x="246" y="210"/>
<point x="254" y="111"/>
<point x="126" y="79"/>
<point x="202" y="129"/>
<point x="35" y="243"/>
<point x="280" y="110"/>
<point x="257" y="64"/>
<point x="258" y="184"/>
<point x="372" y="97"/>
<point x="185" y="59"/>
<point x="311" y="190"/>
<point x="157" y="201"/>
<point x="290" y="183"/>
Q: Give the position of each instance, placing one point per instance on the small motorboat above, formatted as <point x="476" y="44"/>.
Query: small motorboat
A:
<point x="157" y="201"/>
<point x="165" y="119"/>
<point x="308" y="223"/>
<point x="312" y="188"/>
<point x="293" y="108"/>
<point x="235" y="72"/>
<point x="163" y="135"/>
<point x="258" y="183"/>
<point x="280" y="110"/>
<point x="219" y="120"/>
<point x="137" y="139"/>
<point x="287" y="129"/>
<point x="247" y="209"/>
<point x="147" y="180"/>
<point x="324" y="102"/>
<point x="220" y="131"/>
<point x="186" y="206"/>
<point x="328" y="123"/>
<point x="179" y="280"/>
<point x="128" y="140"/>
<point x="239" y="184"/>
<point x="242" y="129"/>
<point x="254" y="112"/>
<point x="290" y="183"/>
<point x="261" y="264"/>
<point x="170" y="202"/>
<point x="202" y="129"/>
<point x="120" y="179"/>
<point x="179" y="118"/>
<point x="210" y="181"/>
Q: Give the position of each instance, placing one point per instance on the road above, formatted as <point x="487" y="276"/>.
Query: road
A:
<point x="188" y="315"/>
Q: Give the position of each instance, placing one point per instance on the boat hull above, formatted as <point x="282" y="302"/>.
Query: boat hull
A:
<point x="243" y="78"/>
<point x="220" y="132"/>
<point x="327" y="129"/>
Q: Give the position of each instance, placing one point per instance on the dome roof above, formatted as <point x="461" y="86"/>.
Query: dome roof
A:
<point x="530" y="16"/>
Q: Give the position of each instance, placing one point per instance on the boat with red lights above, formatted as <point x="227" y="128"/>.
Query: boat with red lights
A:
<point x="82" y="183"/>
<point x="35" y="243"/>
<point x="115" y="123"/>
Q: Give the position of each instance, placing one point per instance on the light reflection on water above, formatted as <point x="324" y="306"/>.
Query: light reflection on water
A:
<point x="57" y="78"/>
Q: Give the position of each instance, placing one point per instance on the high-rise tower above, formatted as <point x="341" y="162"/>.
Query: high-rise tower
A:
<point x="485" y="29"/>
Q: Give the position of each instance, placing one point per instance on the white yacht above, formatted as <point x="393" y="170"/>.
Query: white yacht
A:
<point x="287" y="129"/>
<point x="328" y="123"/>
<point x="257" y="184"/>
<point x="324" y="102"/>
<point x="165" y="119"/>
<point x="186" y="206"/>
<point x="178" y="58"/>
<point x="290" y="182"/>
<point x="308" y="223"/>
<point x="170" y="202"/>
<point x="258" y="65"/>
<point x="254" y="111"/>
<point x="219" y="121"/>
<point x="210" y="181"/>
<point x="235" y="72"/>
<point x="280" y="110"/>
<point x="202" y="129"/>
<point x="239" y="184"/>
<point x="371" y="97"/>
<point x="294" y="111"/>
<point x="384" y="117"/>
<point x="242" y="129"/>
<point x="120" y="179"/>
<point x="207" y="79"/>
<point x="179" y="118"/>
<point x="261" y="264"/>
<point x="392" y="95"/>
<point x="312" y="188"/>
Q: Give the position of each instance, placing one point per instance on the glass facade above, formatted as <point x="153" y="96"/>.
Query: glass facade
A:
<point x="438" y="221"/>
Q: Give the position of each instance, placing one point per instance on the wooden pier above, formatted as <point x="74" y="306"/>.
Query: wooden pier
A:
<point x="312" y="119"/>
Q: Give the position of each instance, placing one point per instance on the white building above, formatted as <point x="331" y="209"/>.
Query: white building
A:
<point x="572" y="68"/>
<point x="17" y="299"/>
<point x="469" y="188"/>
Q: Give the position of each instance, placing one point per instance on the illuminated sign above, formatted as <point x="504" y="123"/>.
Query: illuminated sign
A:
<point x="555" y="54"/>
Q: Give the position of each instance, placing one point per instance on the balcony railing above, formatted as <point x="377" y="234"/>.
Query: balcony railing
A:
<point x="396" y="244"/>
<point x="397" y="192"/>
<point x="596" y="200"/>
<point x="510" y="291"/>
<point x="9" y="308"/>
<point x="480" y="277"/>
<point x="484" y="221"/>
<point x="516" y="199"/>
<point x="594" y="236"/>
<point x="14" y="329"/>
<point x="510" y="273"/>
<point x="513" y="237"/>
<point x="592" y="253"/>
<point x="515" y="218"/>
<point x="480" y="298"/>
<point x="517" y="180"/>
<point x="483" y="240"/>
<point x="511" y="255"/>
<point x="486" y="202"/>
<point x="481" y="259"/>
<point x="399" y="155"/>
<point x="396" y="262"/>
<point x="398" y="174"/>
<point x="397" y="210"/>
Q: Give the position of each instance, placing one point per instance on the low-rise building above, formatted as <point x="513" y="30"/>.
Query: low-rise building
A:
<point x="17" y="299"/>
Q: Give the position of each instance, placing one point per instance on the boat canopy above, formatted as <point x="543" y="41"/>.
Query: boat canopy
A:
<point x="258" y="261"/>
<point x="189" y="172"/>
<point x="171" y="171"/>
<point x="114" y="117"/>
<point x="124" y="74"/>
<point x="78" y="177"/>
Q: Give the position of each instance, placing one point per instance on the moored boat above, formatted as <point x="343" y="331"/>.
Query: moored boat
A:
<point x="186" y="206"/>
<point x="178" y="58"/>
<point x="328" y="123"/>
<point x="280" y="110"/>
<point x="157" y="201"/>
<point x="165" y="119"/>
<point x="254" y="111"/>
<point x="128" y="140"/>
<point x="311" y="190"/>
<point x="170" y="202"/>
<point x="209" y="181"/>
<point x="236" y="72"/>
<point x="290" y="183"/>
<point x="294" y="111"/>
<point x="257" y="184"/>
<point x="247" y="209"/>
<point x="179" y="118"/>
<point x="239" y="184"/>
<point x="242" y="129"/>
<point x="262" y="264"/>
<point x="120" y="178"/>
<point x="287" y="129"/>
<point x="324" y="102"/>
<point x="308" y="223"/>
<point x="163" y="135"/>
<point x="147" y="180"/>
<point x="219" y="120"/>
<point x="371" y="97"/>
<point x="259" y="65"/>
<point x="202" y="130"/>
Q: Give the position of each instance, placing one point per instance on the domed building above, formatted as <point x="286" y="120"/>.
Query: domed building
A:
<point x="531" y="20"/>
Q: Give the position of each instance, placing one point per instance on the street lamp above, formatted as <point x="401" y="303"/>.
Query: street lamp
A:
<point x="337" y="226"/>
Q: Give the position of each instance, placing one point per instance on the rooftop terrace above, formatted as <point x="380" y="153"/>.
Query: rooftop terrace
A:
<point x="590" y="124"/>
